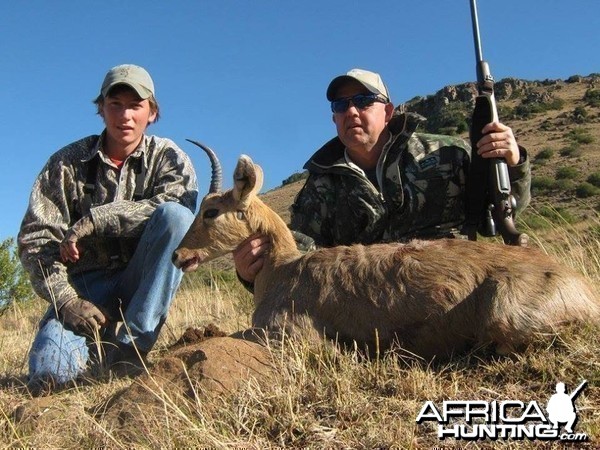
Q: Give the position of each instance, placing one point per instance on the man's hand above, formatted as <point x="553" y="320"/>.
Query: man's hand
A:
<point x="249" y="256"/>
<point x="498" y="141"/>
<point x="82" y="316"/>
<point x="68" y="247"/>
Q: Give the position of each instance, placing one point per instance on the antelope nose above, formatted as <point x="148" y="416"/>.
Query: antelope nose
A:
<point x="175" y="258"/>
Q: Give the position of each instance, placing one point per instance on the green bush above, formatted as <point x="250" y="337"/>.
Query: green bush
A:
<point x="524" y="111"/>
<point x="580" y="114"/>
<point x="14" y="284"/>
<point x="545" y="154"/>
<point x="567" y="172"/>
<point x="208" y="276"/>
<point x="564" y="184"/>
<point x="451" y="120"/>
<point x="295" y="177"/>
<point x="571" y="151"/>
<point x="542" y="184"/>
<point x="594" y="179"/>
<point x="534" y="221"/>
<point x="528" y="109"/>
<point x="557" y="104"/>
<point x="592" y="97"/>
<point x="585" y="190"/>
<point x="448" y="131"/>
<point x="580" y="136"/>
<point x="505" y="112"/>
<point x="557" y="215"/>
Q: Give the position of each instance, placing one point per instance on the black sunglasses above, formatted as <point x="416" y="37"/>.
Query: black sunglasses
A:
<point x="361" y="101"/>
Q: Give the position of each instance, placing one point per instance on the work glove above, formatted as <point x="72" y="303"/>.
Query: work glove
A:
<point x="82" y="316"/>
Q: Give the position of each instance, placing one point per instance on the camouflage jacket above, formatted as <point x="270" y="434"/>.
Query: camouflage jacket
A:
<point x="421" y="192"/>
<point x="58" y="202"/>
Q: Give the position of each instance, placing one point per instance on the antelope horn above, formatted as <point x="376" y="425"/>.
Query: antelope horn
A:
<point x="216" y="178"/>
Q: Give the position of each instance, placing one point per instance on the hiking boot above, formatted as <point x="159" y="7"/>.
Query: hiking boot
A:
<point x="123" y="360"/>
<point x="41" y="386"/>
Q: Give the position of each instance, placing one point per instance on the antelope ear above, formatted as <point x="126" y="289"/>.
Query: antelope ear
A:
<point x="247" y="181"/>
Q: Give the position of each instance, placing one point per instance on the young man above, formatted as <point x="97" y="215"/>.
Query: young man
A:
<point x="379" y="180"/>
<point x="104" y="216"/>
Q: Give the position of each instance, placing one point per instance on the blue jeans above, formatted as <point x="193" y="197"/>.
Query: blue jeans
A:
<point x="145" y="290"/>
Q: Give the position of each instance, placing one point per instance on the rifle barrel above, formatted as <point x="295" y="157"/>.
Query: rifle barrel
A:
<point x="476" y="38"/>
<point x="578" y="390"/>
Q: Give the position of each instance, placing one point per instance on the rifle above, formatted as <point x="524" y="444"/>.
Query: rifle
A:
<point x="576" y="392"/>
<point x="489" y="202"/>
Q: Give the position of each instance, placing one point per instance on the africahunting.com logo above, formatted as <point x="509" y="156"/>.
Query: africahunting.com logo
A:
<point x="473" y="420"/>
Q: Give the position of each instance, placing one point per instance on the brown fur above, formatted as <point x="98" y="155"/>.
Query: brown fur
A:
<point x="431" y="297"/>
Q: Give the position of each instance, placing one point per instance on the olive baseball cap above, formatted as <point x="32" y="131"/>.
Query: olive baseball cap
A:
<point x="134" y="76"/>
<point x="371" y="80"/>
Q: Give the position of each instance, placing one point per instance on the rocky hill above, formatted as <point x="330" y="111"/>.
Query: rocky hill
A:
<point x="557" y="121"/>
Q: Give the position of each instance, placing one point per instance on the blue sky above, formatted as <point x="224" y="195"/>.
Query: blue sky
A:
<point x="250" y="76"/>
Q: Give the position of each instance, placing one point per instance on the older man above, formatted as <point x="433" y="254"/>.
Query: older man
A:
<point x="380" y="180"/>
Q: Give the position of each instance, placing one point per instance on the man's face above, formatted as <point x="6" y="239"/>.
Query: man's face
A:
<point x="126" y="117"/>
<point x="360" y="129"/>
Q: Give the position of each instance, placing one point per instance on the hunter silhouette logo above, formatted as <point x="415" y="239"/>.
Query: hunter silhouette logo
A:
<point x="561" y="406"/>
<point x="474" y="420"/>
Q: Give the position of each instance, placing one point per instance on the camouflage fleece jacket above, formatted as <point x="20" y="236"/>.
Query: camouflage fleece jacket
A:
<point x="109" y="230"/>
<point x="421" y="190"/>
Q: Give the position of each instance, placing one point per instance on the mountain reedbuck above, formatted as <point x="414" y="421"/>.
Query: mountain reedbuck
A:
<point x="432" y="298"/>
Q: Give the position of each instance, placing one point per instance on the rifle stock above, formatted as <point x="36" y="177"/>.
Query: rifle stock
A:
<point x="490" y="206"/>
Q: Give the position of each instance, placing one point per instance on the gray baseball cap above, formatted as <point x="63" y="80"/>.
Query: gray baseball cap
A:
<point x="371" y="80"/>
<point x="134" y="76"/>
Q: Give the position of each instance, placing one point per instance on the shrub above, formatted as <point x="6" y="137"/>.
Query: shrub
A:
<point x="295" y="177"/>
<point x="448" y="131"/>
<point x="542" y="184"/>
<point x="451" y="119"/>
<point x="594" y="179"/>
<point x="462" y="127"/>
<point x="592" y="97"/>
<point x="545" y="154"/>
<point x="556" y="104"/>
<point x="547" y="125"/>
<point x="580" y="114"/>
<point x="564" y="184"/>
<point x="580" y="136"/>
<point x="524" y="111"/>
<point x="585" y="190"/>
<point x="533" y="221"/>
<point x="505" y="112"/>
<point x="557" y="215"/>
<point x="571" y="151"/>
<point x="14" y="284"/>
<point x="209" y="276"/>
<point x="567" y="172"/>
<point x="529" y="108"/>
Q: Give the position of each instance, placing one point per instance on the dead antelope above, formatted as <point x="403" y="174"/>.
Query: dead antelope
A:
<point x="433" y="298"/>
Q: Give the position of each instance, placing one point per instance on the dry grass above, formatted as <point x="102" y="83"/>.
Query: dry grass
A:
<point x="320" y="398"/>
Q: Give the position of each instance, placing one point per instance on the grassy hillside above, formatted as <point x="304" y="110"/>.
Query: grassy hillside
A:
<point x="557" y="121"/>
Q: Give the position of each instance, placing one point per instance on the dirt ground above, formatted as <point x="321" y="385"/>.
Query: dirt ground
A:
<point x="202" y="363"/>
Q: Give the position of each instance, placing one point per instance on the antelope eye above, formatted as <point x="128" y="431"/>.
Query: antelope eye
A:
<point x="210" y="213"/>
